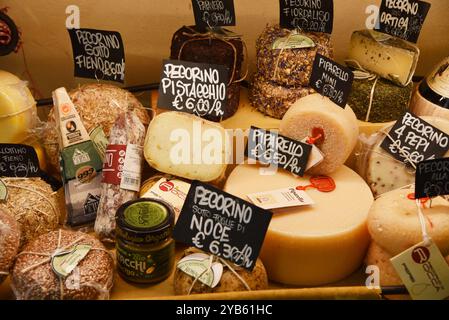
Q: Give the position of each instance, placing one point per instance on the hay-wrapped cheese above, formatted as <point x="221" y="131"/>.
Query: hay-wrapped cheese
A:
<point x="34" y="204"/>
<point x="187" y="146"/>
<point x="33" y="277"/>
<point x="273" y="99"/>
<point x="9" y="242"/>
<point x="338" y="127"/>
<point x="97" y="105"/>
<point x="289" y="66"/>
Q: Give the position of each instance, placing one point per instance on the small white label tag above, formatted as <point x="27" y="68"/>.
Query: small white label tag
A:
<point x="424" y="272"/>
<point x="198" y="265"/>
<point x="315" y="157"/>
<point x="132" y="168"/>
<point x="281" y="198"/>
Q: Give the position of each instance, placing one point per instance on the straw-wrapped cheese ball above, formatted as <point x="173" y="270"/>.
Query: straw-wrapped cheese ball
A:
<point x="9" y="242"/>
<point x="33" y="276"/>
<point x="97" y="105"/>
<point x="34" y="204"/>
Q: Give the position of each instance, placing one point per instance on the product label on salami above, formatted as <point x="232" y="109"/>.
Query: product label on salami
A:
<point x="331" y="80"/>
<point x="98" y="54"/>
<point x="222" y="224"/>
<point x="307" y="15"/>
<point x="18" y="161"/>
<point x="213" y="13"/>
<point x="432" y="178"/>
<point x="412" y="140"/>
<point x="113" y="164"/>
<point x="197" y="88"/>
<point x="403" y="19"/>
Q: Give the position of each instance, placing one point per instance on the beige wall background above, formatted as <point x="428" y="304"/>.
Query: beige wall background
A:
<point x="146" y="27"/>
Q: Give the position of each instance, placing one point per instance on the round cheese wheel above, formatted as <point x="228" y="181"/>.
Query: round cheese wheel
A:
<point x="18" y="113"/>
<point x="394" y="224"/>
<point x="315" y="113"/>
<point x="311" y="245"/>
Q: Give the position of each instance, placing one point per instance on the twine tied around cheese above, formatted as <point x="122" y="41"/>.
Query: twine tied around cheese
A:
<point x="422" y="222"/>
<point x="104" y="292"/>
<point x="362" y="74"/>
<point x="224" y="37"/>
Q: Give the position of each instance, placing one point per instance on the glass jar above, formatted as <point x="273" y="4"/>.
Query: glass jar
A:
<point x="144" y="247"/>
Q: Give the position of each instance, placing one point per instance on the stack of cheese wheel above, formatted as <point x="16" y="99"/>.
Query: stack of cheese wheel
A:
<point x="394" y="226"/>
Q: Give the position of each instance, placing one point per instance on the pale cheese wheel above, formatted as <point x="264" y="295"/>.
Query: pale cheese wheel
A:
<point x="393" y="221"/>
<point x="187" y="146"/>
<point x="311" y="245"/>
<point x="384" y="173"/>
<point x="339" y="125"/>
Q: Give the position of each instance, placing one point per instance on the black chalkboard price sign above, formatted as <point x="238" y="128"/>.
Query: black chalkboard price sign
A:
<point x="403" y="19"/>
<point x="197" y="88"/>
<point x="222" y="224"/>
<point x="213" y="13"/>
<point x="412" y="140"/>
<point x="98" y="54"/>
<point x="269" y="147"/>
<point x="432" y="178"/>
<point x="331" y="80"/>
<point x="18" y="161"/>
<point x="307" y="15"/>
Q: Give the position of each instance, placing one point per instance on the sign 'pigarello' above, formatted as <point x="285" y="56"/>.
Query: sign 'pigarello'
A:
<point x="197" y="88"/>
<point x="98" y="54"/>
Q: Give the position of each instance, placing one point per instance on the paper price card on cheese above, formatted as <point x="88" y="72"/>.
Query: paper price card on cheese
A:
<point x="412" y="140"/>
<point x="197" y="88"/>
<point x="222" y="224"/>
<point x="213" y="13"/>
<point x="403" y="18"/>
<point x="18" y="161"/>
<point x="432" y="178"/>
<point x="306" y="15"/>
<point x="271" y="148"/>
<point x="98" y="54"/>
<point x="331" y="80"/>
<point x="424" y="272"/>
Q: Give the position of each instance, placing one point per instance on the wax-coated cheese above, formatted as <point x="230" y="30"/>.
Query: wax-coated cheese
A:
<point x="311" y="245"/>
<point x="338" y="125"/>
<point x="187" y="146"/>
<point x="17" y="109"/>
<point x="389" y="57"/>
<point x="381" y="171"/>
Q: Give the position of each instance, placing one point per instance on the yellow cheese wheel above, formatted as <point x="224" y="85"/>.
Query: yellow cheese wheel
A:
<point x="311" y="245"/>
<point x="17" y="109"/>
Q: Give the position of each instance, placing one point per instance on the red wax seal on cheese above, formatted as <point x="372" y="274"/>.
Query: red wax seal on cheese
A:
<point x="321" y="183"/>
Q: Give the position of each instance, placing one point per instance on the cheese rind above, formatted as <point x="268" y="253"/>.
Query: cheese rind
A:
<point x="391" y="58"/>
<point x="187" y="146"/>
<point x="339" y="125"/>
<point x="311" y="245"/>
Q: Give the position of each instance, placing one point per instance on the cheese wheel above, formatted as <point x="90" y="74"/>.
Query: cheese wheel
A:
<point x="377" y="256"/>
<point x="18" y="113"/>
<point x="381" y="171"/>
<point x="311" y="245"/>
<point x="394" y="224"/>
<point x="339" y="125"/>
<point x="187" y="146"/>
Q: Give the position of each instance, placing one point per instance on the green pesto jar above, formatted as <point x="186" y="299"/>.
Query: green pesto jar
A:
<point x="144" y="247"/>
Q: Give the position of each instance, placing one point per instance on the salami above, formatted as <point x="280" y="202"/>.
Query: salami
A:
<point x="122" y="168"/>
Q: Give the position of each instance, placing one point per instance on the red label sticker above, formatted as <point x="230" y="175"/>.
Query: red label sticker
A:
<point x="113" y="163"/>
<point x="166" y="186"/>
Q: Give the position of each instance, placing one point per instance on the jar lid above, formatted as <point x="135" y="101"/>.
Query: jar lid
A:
<point x="145" y="220"/>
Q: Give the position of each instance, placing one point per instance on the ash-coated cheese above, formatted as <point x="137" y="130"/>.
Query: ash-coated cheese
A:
<point x="384" y="173"/>
<point x="393" y="221"/>
<point x="187" y="146"/>
<point x="338" y="125"/>
<point x="389" y="57"/>
<point x="311" y="245"/>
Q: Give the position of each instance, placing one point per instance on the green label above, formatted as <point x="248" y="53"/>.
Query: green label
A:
<point x="3" y="191"/>
<point x="145" y="214"/>
<point x="81" y="161"/>
<point x="100" y="140"/>
<point x="145" y="265"/>
<point x="65" y="262"/>
<point x="294" y="41"/>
